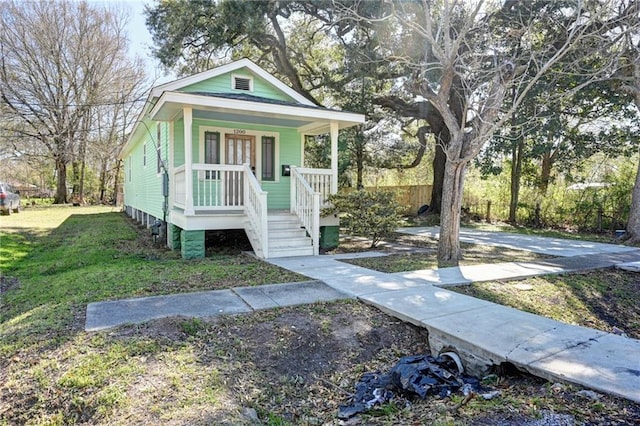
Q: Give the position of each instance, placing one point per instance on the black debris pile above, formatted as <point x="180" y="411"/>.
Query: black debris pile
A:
<point x="421" y="375"/>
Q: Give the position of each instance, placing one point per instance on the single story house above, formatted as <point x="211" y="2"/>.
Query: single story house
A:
<point x="224" y="149"/>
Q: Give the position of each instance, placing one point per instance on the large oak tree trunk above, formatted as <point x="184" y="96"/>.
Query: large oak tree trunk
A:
<point x="439" y="162"/>
<point x="61" y="188"/>
<point x="545" y="172"/>
<point x="449" y="242"/>
<point x="443" y="137"/>
<point x="633" y="226"/>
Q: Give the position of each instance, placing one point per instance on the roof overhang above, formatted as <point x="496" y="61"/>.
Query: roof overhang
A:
<point x="308" y="120"/>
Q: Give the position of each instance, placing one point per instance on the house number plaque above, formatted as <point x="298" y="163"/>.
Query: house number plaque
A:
<point x="239" y="132"/>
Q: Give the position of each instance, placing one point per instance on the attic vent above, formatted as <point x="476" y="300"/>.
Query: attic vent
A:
<point x="242" y="83"/>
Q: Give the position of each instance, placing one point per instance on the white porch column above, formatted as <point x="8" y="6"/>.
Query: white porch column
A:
<point x="170" y="169"/>
<point x="334" y="156"/>
<point x="187" y="114"/>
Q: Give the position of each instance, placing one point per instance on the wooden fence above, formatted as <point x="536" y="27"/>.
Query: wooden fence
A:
<point x="410" y="197"/>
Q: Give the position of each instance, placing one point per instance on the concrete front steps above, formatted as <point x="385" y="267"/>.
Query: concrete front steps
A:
<point x="287" y="237"/>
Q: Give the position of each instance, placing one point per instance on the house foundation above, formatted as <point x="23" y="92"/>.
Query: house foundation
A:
<point x="329" y="237"/>
<point x="192" y="244"/>
<point x="173" y="237"/>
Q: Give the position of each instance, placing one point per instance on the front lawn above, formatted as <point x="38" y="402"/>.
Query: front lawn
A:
<point x="290" y="366"/>
<point x="55" y="261"/>
<point x="607" y="300"/>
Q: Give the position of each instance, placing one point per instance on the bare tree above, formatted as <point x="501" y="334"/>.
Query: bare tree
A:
<point x="471" y="63"/>
<point x="60" y="61"/>
<point x="632" y="86"/>
<point x="110" y="129"/>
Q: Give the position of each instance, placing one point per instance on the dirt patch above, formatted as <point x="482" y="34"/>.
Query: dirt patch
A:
<point x="305" y="344"/>
<point x="296" y="365"/>
<point x="7" y="283"/>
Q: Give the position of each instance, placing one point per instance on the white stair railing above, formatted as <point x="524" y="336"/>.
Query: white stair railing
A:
<point x="305" y="203"/>
<point x="319" y="180"/>
<point x="255" y="207"/>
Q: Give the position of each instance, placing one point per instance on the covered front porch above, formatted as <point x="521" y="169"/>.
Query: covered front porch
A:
<point x="222" y="196"/>
<point x="233" y="163"/>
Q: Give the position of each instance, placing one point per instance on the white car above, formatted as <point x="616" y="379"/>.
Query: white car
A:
<point x="9" y="199"/>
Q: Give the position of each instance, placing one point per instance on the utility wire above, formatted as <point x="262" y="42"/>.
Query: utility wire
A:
<point x="78" y="105"/>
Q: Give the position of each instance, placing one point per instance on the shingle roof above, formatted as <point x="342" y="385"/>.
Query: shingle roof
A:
<point x="259" y="99"/>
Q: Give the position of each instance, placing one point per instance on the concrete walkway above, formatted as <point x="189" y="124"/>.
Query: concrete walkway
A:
<point x="483" y="333"/>
<point x="104" y="315"/>
<point x="536" y="244"/>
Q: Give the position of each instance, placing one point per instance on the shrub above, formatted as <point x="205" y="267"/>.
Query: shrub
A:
<point x="369" y="214"/>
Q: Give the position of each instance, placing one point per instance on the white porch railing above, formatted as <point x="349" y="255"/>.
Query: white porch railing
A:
<point x="305" y="203"/>
<point x="179" y="187"/>
<point x="255" y="208"/>
<point x="319" y="180"/>
<point x="215" y="187"/>
<point x="223" y="188"/>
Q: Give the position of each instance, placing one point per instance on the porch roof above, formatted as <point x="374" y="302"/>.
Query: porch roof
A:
<point x="244" y="108"/>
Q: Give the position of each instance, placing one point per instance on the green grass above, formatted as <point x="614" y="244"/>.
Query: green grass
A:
<point x="13" y="248"/>
<point x="473" y="254"/>
<point x="601" y="299"/>
<point x="55" y="261"/>
<point x="94" y="257"/>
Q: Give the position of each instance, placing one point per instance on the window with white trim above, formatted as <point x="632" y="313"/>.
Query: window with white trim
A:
<point x="268" y="158"/>
<point x="211" y="150"/>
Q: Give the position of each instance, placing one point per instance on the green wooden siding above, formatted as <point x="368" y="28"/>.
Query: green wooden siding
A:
<point x="178" y="143"/>
<point x="143" y="184"/>
<point x="289" y="153"/>
<point x="144" y="190"/>
<point x="223" y="84"/>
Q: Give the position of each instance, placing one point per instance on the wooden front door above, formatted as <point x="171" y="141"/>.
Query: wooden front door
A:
<point x="239" y="149"/>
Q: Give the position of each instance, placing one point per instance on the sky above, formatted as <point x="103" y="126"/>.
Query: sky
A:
<point x="139" y="37"/>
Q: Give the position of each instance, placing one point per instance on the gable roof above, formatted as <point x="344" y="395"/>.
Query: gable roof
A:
<point x="176" y="85"/>
<point x="166" y="101"/>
